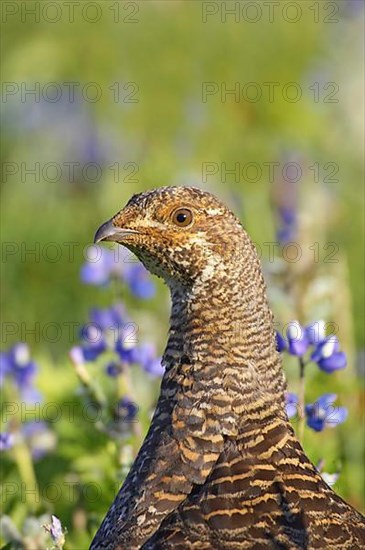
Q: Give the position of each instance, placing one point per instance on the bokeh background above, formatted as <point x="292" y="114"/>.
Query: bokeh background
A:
<point x="260" y="104"/>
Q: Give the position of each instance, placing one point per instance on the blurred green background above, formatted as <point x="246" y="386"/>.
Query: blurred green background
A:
<point x="119" y="97"/>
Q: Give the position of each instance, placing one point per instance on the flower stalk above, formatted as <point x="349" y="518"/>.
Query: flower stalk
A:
<point x="301" y="395"/>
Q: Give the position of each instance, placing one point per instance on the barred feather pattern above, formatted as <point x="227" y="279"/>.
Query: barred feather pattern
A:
<point x="220" y="467"/>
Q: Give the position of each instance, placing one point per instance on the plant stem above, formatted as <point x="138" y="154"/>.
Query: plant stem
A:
<point x="24" y="462"/>
<point x="301" y="400"/>
<point x="21" y="453"/>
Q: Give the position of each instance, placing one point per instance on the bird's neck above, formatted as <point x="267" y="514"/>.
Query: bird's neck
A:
<point x="223" y="326"/>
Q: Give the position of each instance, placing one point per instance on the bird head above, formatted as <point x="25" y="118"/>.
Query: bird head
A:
<point x="179" y="233"/>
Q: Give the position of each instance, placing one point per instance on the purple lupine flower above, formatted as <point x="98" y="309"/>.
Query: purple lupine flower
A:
<point x="288" y="225"/>
<point x="111" y="318"/>
<point x="128" y="353"/>
<point x="23" y="369"/>
<point x="98" y="272"/>
<point x="291" y="404"/>
<point x="108" y="329"/>
<point x="336" y="361"/>
<point x="328" y="357"/>
<point x="5" y="366"/>
<point x="126" y="346"/>
<point x="126" y="409"/>
<point x="108" y="265"/>
<point x="297" y="339"/>
<point x="329" y="344"/>
<point x="103" y="332"/>
<point x="56" y="531"/>
<point x="94" y="342"/>
<point x="323" y="413"/>
<point x="18" y="364"/>
<point x="154" y="367"/>
<point x="316" y="332"/>
<point x="113" y="369"/>
<point x="149" y="361"/>
<point x="6" y="441"/>
<point x="139" y="280"/>
<point x="39" y="437"/>
<point x="281" y="343"/>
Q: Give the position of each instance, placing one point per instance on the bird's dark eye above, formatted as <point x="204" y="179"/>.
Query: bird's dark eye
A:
<point x="182" y="217"/>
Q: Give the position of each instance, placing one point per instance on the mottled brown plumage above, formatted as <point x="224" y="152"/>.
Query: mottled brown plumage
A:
<point x="220" y="467"/>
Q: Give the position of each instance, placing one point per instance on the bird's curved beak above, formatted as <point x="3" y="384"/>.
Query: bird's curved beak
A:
<point x="109" y="232"/>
